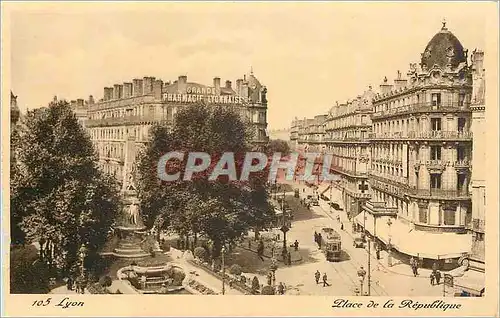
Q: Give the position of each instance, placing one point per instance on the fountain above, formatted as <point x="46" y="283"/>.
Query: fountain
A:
<point x="130" y="230"/>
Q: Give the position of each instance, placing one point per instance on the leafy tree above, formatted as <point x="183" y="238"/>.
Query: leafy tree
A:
<point x="63" y="199"/>
<point x="278" y="145"/>
<point x="267" y="290"/>
<point x="222" y="211"/>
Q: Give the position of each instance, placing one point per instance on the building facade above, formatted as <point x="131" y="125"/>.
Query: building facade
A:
<point x="310" y="134"/>
<point x="404" y="155"/>
<point x="119" y="123"/>
<point x="347" y="128"/>
<point x="421" y="146"/>
<point x="478" y="183"/>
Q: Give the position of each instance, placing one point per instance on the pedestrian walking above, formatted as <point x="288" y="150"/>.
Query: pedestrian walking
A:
<point x="378" y="253"/>
<point x="317" y="276"/>
<point x="432" y="278"/>
<point x="438" y="277"/>
<point x="289" y="258"/>
<point x="315" y="237"/>
<point x="342" y="226"/>
<point x="260" y="250"/>
<point x="413" y="266"/>
<point x="269" y="278"/>
<point x="69" y="283"/>
<point x="325" y="280"/>
<point x="319" y="240"/>
<point x="296" y="245"/>
<point x="281" y="289"/>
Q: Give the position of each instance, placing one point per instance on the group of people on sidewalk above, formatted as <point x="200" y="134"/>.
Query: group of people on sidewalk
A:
<point x="435" y="276"/>
<point x="317" y="276"/>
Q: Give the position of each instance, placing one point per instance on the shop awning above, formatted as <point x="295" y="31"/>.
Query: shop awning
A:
<point x="471" y="281"/>
<point x="368" y="223"/>
<point x="420" y="243"/>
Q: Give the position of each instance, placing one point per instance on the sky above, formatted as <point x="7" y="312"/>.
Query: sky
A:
<point x="309" y="55"/>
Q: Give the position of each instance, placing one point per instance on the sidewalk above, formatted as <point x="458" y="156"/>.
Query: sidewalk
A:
<point x="397" y="267"/>
<point x="201" y="275"/>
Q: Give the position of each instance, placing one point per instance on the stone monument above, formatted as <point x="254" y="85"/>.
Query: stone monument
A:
<point x="129" y="224"/>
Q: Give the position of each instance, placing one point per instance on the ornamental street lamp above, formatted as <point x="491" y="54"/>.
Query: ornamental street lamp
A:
<point x="83" y="253"/>
<point x="361" y="274"/>
<point x="223" y="252"/>
<point x="389" y="245"/>
<point x="273" y="267"/>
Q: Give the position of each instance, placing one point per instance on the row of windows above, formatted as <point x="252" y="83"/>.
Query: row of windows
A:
<point x="348" y="121"/>
<point x="418" y="124"/>
<point x="434" y="98"/>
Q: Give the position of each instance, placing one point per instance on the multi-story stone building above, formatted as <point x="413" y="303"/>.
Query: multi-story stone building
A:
<point x="311" y="133"/>
<point x="295" y="127"/>
<point x="421" y="154"/>
<point x="478" y="128"/>
<point x="80" y="108"/>
<point x="347" y="129"/>
<point x="119" y="123"/>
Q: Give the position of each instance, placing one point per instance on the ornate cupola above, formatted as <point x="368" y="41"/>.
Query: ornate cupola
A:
<point x="443" y="50"/>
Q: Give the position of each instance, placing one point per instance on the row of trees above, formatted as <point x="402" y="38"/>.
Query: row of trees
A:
<point x="61" y="200"/>
<point x="219" y="210"/>
<point x="59" y="197"/>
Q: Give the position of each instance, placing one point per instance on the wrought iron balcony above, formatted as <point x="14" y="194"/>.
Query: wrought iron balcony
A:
<point x="422" y="108"/>
<point x="436" y="165"/>
<point x="439" y="193"/>
<point x="128" y="120"/>
<point x="462" y="164"/>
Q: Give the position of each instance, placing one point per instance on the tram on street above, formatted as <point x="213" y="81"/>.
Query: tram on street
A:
<point x="331" y="244"/>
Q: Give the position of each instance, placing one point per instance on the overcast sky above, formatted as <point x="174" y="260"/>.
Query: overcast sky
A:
<point x="309" y="55"/>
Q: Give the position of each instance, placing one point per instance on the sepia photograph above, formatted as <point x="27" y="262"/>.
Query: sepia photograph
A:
<point x="342" y="150"/>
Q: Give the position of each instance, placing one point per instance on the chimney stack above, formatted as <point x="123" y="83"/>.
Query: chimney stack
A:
<point x="127" y="90"/>
<point x="399" y="82"/>
<point x="182" y="84"/>
<point x="217" y="85"/>
<point x="183" y="79"/>
<point x="108" y="93"/>
<point x="228" y="84"/>
<point x="384" y="87"/>
<point x="147" y="85"/>
<point x="91" y="100"/>
<point x="137" y="87"/>
<point x="157" y="89"/>
<point x="118" y="91"/>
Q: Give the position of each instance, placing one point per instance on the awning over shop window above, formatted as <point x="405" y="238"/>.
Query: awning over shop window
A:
<point x="368" y="223"/>
<point x="471" y="281"/>
<point x="416" y="243"/>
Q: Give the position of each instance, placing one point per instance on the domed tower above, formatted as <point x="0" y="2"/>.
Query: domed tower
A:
<point x="443" y="50"/>
<point x="421" y="148"/>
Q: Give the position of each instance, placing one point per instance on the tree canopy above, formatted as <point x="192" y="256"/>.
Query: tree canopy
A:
<point x="218" y="209"/>
<point x="58" y="195"/>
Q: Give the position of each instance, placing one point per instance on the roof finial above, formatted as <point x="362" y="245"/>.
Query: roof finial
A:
<point x="444" y="24"/>
<point x="251" y="70"/>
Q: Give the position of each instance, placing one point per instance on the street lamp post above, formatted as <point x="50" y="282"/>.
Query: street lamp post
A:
<point x="83" y="254"/>
<point x="223" y="251"/>
<point x="389" y="246"/>
<point x="369" y="267"/>
<point x="361" y="274"/>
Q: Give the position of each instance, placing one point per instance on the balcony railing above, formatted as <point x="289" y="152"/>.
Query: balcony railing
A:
<point x="422" y="108"/>
<point x="464" y="193"/>
<point x="462" y="164"/>
<point x="435" y="164"/>
<point x="346" y="139"/>
<point x="433" y="134"/>
<point x="118" y="121"/>
<point x="478" y="225"/>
